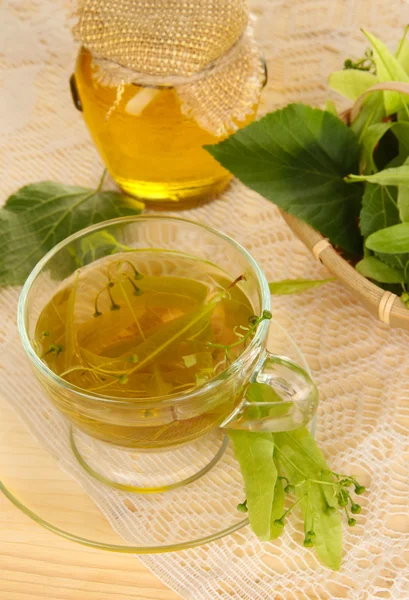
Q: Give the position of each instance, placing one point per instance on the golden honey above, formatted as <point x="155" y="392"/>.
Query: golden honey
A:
<point x="151" y="149"/>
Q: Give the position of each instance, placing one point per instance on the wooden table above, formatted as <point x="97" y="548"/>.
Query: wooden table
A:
<point x="35" y="564"/>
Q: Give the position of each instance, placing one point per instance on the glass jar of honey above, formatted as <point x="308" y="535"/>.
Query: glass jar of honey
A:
<point x="150" y="117"/>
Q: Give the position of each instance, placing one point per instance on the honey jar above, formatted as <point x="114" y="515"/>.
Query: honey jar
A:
<point x="156" y="81"/>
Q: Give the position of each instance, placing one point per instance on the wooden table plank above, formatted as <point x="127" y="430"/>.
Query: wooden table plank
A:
<point x="37" y="565"/>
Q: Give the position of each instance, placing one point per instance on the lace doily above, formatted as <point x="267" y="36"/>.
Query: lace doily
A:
<point x="360" y="365"/>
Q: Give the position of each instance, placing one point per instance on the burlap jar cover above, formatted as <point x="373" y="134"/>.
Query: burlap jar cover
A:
<point x="202" y="48"/>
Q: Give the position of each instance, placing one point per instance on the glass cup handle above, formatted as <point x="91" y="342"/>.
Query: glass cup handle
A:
<point x="295" y="399"/>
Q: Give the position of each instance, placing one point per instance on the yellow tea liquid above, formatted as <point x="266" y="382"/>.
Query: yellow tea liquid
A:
<point x="151" y="149"/>
<point x="142" y="326"/>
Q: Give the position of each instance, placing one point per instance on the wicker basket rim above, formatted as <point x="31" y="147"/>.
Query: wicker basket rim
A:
<point x="386" y="306"/>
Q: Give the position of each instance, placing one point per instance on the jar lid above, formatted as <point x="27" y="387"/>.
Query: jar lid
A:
<point x="203" y="48"/>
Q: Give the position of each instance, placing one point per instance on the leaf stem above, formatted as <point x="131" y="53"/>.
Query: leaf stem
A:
<point x="101" y="181"/>
<point x="290" y="462"/>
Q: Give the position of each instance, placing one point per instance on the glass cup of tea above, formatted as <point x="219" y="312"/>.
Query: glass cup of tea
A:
<point x="145" y="333"/>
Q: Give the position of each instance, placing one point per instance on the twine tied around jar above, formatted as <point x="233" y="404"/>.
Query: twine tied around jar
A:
<point x="202" y="48"/>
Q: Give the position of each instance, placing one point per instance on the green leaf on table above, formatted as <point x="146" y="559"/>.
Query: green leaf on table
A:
<point x="327" y="528"/>
<point x="395" y="176"/>
<point x="388" y="68"/>
<point x="351" y="83"/>
<point x="254" y="453"/>
<point x="40" y="215"/>
<point x="297" y="157"/>
<point x="375" y="269"/>
<point x="267" y="460"/>
<point x="300" y="457"/>
<point x="295" y="286"/>
<point x="379" y="208"/>
<point x="369" y="140"/>
<point x="392" y="240"/>
<point x="278" y="503"/>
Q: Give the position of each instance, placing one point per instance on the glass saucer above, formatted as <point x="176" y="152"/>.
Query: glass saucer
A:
<point x="42" y="474"/>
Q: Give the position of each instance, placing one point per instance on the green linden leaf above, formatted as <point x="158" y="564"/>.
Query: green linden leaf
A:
<point x="402" y="53"/>
<point x="254" y="453"/>
<point x="395" y="176"/>
<point x="403" y="203"/>
<point x="369" y="141"/>
<point x="373" y="111"/>
<point x="40" y="215"/>
<point x="392" y="240"/>
<point x="403" y="200"/>
<point x="295" y="286"/>
<point x="388" y="68"/>
<point x="351" y="83"/>
<point x="373" y="268"/>
<point x="262" y="393"/>
<point x="379" y="209"/>
<point x="401" y="131"/>
<point x="297" y="158"/>
<point x="403" y="57"/>
<point x="97" y="245"/>
<point x="278" y="502"/>
<point x="398" y="261"/>
<point x="299" y="450"/>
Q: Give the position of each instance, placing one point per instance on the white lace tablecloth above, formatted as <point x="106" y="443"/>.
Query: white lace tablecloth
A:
<point x="361" y="366"/>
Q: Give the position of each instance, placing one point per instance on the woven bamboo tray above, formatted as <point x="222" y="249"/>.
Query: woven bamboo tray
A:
<point x="387" y="307"/>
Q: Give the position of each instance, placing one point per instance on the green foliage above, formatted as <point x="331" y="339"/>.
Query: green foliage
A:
<point x="375" y="269"/>
<point x="298" y="158"/>
<point x="254" y="453"/>
<point x="391" y="240"/>
<point x="388" y="68"/>
<point x="295" y="286"/>
<point x="379" y="208"/>
<point x="351" y="83"/>
<point x="290" y="463"/>
<point x="40" y="215"/>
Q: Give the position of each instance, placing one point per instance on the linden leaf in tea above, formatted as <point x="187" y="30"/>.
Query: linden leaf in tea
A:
<point x="169" y="338"/>
<point x="40" y="215"/>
